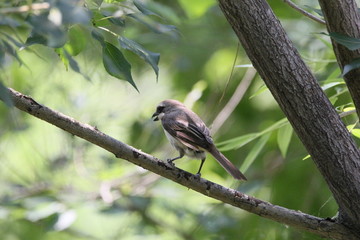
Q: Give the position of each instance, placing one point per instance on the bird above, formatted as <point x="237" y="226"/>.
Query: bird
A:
<point x="189" y="135"/>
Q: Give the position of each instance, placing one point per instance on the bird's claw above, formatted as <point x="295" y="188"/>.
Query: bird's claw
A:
<point x="170" y="162"/>
<point x="198" y="175"/>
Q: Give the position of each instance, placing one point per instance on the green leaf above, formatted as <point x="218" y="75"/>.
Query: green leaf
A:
<point x="351" y="66"/>
<point x="116" y="64"/>
<point x="9" y="21"/>
<point x="356" y="133"/>
<point x="35" y="38"/>
<point x="142" y="8"/>
<point x="237" y="142"/>
<point x="54" y="35"/>
<point x="150" y="57"/>
<point x="349" y="42"/>
<point x="17" y="43"/>
<point x="254" y="152"/>
<point x="120" y="21"/>
<point x="68" y="60"/>
<point x="73" y="64"/>
<point x="77" y="40"/>
<point x="72" y="12"/>
<point x="262" y="89"/>
<point x="98" y="36"/>
<point x="5" y="46"/>
<point x="331" y="84"/>
<point x="283" y="138"/>
<point x="275" y="126"/>
<point x="153" y="25"/>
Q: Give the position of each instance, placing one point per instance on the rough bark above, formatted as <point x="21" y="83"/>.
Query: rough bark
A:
<point x="323" y="227"/>
<point x="300" y="97"/>
<point x="342" y="16"/>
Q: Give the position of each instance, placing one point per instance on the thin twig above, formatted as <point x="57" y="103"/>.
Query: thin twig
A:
<point x="322" y="226"/>
<point x="347" y="113"/>
<point x="303" y="12"/>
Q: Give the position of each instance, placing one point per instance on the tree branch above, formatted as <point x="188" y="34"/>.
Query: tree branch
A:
<point x="303" y="12"/>
<point x="323" y="227"/>
<point x="300" y="97"/>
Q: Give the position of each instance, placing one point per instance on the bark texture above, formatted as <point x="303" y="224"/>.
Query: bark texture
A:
<point x="300" y="97"/>
<point x="342" y="16"/>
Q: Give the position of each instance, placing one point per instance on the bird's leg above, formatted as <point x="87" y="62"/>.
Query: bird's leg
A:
<point x="170" y="160"/>
<point x="201" y="164"/>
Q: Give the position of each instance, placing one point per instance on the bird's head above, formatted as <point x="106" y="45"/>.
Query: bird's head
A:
<point x="164" y="107"/>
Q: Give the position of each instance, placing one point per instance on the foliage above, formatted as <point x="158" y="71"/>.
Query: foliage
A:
<point x="64" y="24"/>
<point x="55" y="186"/>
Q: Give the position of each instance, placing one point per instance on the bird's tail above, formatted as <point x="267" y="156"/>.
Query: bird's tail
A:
<point x="226" y="164"/>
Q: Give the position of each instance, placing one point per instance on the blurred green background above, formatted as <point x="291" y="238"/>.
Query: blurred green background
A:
<point x="56" y="186"/>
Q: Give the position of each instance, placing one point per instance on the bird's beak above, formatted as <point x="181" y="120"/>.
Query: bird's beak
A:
<point x="155" y="116"/>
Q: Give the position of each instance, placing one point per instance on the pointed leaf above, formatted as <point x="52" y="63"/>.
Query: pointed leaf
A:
<point x="73" y="64"/>
<point x="347" y="41"/>
<point x="283" y="138"/>
<point x="351" y="66"/>
<point x="262" y="89"/>
<point x="237" y="142"/>
<point x="13" y="40"/>
<point x="98" y="36"/>
<point x="113" y="18"/>
<point x="11" y="51"/>
<point x="116" y="64"/>
<point x="142" y="8"/>
<point x="54" y="34"/>
<point x="150" y="57"/>
<point x="9" y="21"/>
<point x="275" y="126"/>
<point x="356" y="133"/>
<point x="153" y="25"/>
<point x="254" y="152"/>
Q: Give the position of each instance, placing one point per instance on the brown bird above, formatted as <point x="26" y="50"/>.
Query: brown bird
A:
<point x="189" y="135"/>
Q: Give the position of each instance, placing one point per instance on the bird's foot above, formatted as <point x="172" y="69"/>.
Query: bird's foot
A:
<point x="198" y="175"/>
<point x="170" y="161"/>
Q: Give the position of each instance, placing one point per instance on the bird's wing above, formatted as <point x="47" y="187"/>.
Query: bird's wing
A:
<point x="187" y="132"/>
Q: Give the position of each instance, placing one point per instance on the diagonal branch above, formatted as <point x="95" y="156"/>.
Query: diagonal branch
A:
<point x="303" y="12"/>
<point x="323" y="227"/>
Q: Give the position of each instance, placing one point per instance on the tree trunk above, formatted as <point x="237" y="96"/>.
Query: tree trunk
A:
<point x="300" y="97"/>
<point x="343" y="17"/>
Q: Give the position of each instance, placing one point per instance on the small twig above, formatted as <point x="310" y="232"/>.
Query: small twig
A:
<point x="26" y="8"/>
<point x="303" y="12"/>
<point x="344" y="114"/>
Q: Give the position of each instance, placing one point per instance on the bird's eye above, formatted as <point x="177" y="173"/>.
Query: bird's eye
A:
<point x="159" y="109"/>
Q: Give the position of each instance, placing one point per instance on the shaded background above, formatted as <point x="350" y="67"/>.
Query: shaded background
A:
<point x="56" y="186"/>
